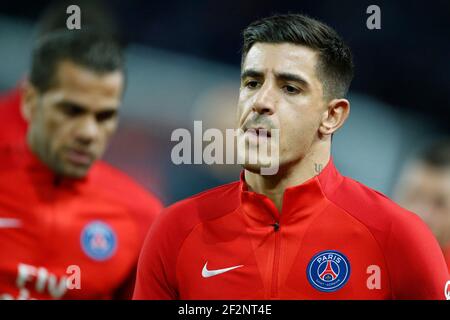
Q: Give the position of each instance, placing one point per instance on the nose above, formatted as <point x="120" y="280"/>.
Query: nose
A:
<point x="87" y="130"/>
<point x="265" y="100"/>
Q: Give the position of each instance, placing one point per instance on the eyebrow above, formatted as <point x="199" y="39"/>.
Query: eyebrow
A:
<point x="285" y="76"/>
<point x="252" y="73"/>
<point x="69" y="103"/>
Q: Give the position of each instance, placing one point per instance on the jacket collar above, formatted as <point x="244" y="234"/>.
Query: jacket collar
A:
<point x="299" y="202"/>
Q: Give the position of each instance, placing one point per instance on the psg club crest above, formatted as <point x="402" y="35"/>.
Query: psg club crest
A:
<point x="328" y="271"/>
<point x="98" y="241"/>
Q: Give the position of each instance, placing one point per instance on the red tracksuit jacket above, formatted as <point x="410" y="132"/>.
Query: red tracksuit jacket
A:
<point x="334" y="239"/>
<point x="53" y="229"/>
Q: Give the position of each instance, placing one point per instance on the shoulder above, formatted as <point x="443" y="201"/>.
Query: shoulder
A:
<point x="118" y="187"/>
<point x="117" y="182"/>
<point x="11" y="98"/>
<point x="174" y="225"/>
<point x="376" y="211"/>
<point x="183" y="216"/>
<point x="13" y="156"/>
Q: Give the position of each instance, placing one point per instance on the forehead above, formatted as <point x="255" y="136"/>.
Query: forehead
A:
<point x="86" y="87"/>
<point x="283" y="57"/>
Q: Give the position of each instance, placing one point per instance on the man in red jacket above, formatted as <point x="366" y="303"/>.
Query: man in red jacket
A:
<point x="71" y="227"/>
<point x="305" y="232"/>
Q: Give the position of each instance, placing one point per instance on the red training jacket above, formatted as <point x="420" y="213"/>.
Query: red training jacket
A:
<point x="334" y="239"/>
<point x="66" y="238"/>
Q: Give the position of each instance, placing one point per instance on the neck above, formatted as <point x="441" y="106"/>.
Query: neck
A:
<point x="291" y="174"/>
<point x="33" y="146"/>
<point x="35" y="149"/>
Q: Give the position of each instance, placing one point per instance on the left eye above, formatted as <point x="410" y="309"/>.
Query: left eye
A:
<point x="105" y="115"/>
<point x="72" y="110"/>
<point x="291" y="89"/>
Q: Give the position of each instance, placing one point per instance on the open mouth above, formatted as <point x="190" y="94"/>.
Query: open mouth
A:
<point x="259" y="132"/>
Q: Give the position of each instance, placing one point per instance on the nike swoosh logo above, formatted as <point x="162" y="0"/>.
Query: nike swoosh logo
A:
<point x="10" y="223"/>
<point x="211" y="273"/>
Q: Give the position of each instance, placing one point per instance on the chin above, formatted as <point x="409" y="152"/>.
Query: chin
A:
<point x="263" y="161"/>
<point x="75" y="173"/>
<point x="253" y="168"/>
<point x="265" y="169"/>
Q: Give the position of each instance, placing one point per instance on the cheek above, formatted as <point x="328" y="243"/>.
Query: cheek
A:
<point x="57" y="131"/>
<point x="107" y="130"/>
<point x="240" y="110"/>
<point x="297" y="128"/>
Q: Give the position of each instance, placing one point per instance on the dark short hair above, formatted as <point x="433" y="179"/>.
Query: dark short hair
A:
<point x="88" y="49"/>
<point x="335" y="65"/>
<point x="436" y="154"/>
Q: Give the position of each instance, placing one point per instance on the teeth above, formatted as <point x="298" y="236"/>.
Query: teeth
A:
<point x="263" y="132"/>
<point x="259" y="131"/>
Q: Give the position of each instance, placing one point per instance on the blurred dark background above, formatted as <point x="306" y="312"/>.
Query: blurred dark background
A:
<point x="180" y="52"/>
<point x="406" y="63"/>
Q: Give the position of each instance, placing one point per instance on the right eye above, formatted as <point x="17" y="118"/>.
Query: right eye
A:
<point x="71" y="110"/>
<point x="252" y="84"/>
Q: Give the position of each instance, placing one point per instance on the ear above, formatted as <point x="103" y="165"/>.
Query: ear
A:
<point x="30" y="98"/>
<point x="334" y="117"/>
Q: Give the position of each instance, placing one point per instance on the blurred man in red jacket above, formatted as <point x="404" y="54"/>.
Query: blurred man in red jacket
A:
<point x="95" y="16"/>
<point x="71" y="227"/>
